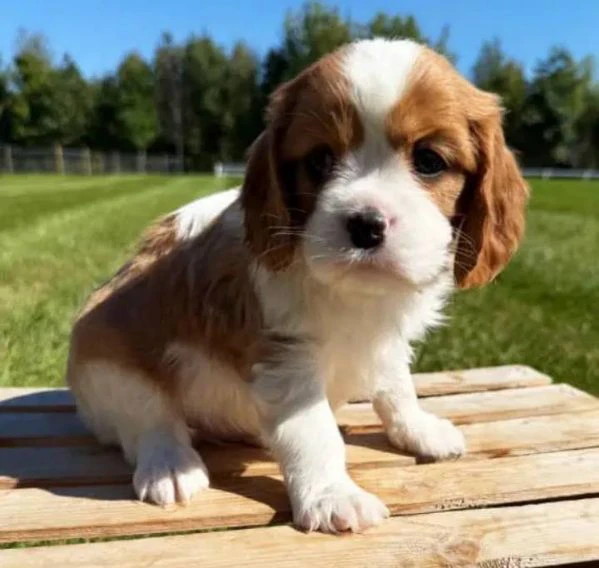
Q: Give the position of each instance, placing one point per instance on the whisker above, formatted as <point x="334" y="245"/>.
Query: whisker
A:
<point x="307" y="236"/>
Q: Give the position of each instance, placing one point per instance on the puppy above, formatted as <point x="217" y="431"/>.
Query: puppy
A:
<point x="381" y="182"/>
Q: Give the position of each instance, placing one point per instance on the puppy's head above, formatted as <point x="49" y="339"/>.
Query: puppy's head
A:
<point x="380" y="165"/>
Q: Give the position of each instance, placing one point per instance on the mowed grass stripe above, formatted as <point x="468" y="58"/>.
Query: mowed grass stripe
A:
<point x="116" y="221"/>
<point x="24" y="212"/>
<point x="46" y="271"/>
<point x="566" y="196"/>
<point x="33" y="254"/>
<point x="19" y="209"/>
<point x="11" y="186"/>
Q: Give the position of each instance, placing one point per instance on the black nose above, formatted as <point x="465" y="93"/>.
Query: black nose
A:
<point x="367" y="228"/>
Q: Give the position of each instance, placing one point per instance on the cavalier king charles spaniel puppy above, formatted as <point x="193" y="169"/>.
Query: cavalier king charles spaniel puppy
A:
<point x="381" y="182"/>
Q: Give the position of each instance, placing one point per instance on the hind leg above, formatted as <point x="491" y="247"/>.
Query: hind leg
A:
<point x="123" y="407"/>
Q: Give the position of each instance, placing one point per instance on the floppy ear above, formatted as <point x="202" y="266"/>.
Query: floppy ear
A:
<point x="492" y="206"/>
<point x="263" y="195"/>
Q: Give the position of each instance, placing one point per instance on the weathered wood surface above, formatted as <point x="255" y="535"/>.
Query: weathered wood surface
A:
<point x="529" y="442"/>
<point x="101" y="511"/>
<point x="484" y="406"/>
<point x="531" y="535"/>
<point x="66" y="429"/>
<point x="23" y="399"/>
<point x="90" y="465"/>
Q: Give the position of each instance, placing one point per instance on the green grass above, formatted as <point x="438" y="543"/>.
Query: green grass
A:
<point x="59" y="236"/>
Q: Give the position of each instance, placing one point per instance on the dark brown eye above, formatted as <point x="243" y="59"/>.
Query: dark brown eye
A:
<point x="319" y="163"/>
<point x="427" y="162"/>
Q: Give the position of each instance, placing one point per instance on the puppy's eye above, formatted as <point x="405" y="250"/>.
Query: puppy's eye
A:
<point x="427" y="162"/>
<point x="319" y="163"/>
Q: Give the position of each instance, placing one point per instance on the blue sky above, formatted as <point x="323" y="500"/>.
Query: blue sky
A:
<point x="98" y="32"/>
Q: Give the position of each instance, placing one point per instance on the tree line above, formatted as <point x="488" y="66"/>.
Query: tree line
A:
<point x="206" y="103"/>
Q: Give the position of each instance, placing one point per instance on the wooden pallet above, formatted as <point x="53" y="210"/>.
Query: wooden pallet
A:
<point x="527" y="494"/>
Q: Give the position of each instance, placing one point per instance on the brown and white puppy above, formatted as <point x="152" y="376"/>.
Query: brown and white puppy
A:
<point x="382" y="180"/>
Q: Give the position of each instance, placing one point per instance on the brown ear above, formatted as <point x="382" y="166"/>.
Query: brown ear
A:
<point x="266" y="214"/>
<point x="491" y="209"/>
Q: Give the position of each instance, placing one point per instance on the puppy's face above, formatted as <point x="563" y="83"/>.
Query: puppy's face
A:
<point x="381" y="166"/>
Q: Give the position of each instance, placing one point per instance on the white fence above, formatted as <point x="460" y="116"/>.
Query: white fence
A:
<point x="238" y="169"/>
<point x="233" y="170"/>
<point x="560" y="173"/>
<point x="16" y="159"/>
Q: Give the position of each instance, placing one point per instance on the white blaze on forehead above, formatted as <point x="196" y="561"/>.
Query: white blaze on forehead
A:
<point x="378" y="71"/>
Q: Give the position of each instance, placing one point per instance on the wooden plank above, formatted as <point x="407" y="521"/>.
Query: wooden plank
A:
<point x="65" y="429"/>
<point x="531" y="535"/>
<point x="482" y="379"/>
<point x="427" y="384"/>
<point x="484" y="406"/>
<point x="13" y="399"/>
<point x="42" y="467"/>
<point x="102" y="511"/>
<point x="42" y="429"/>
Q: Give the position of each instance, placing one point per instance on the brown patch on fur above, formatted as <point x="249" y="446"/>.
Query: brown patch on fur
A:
<point x="433" y="111"/>
<point x="278" y="197"/>
<point x="157" y="241"/>
<point x="196" y="292"/>
<point x="483" y="190"/>
<point x="445" y="190"/>
<point x="492" y="208"/>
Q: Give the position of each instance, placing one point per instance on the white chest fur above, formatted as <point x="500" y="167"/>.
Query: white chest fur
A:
<point x="349" y="332"/>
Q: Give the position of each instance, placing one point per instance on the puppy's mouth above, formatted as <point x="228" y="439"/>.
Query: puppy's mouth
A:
<point x="362" y="265"/>
<point x="377" y="265"/>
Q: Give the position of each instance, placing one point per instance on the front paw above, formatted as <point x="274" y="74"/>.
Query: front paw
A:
<point x="340" y="507"/>
<point x="170" y="475"/>
<point x="429" y="437"/>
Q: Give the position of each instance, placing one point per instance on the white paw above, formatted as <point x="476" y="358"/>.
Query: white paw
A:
<point x="339" y="508"/>
<point x="169" y="474"/>
<point x="428" y="437"/>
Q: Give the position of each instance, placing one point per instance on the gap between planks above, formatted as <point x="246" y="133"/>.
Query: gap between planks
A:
<point x="39" y="467"/>
<point x="66" y="429"/>
<point x="427" y="384"/>
<point x="531" y="535"/>
<point x="104" y="511"/>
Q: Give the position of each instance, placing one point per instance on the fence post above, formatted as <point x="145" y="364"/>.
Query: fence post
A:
<point x="58" y="159"/>
<point x="116" y="163"/>
<point x="141" y="161"/>
<point x="8" y="165"/>
<point x="86" y="157"/>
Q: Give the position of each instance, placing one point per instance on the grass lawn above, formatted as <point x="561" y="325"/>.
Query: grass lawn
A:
<point x="59" y="236"/>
